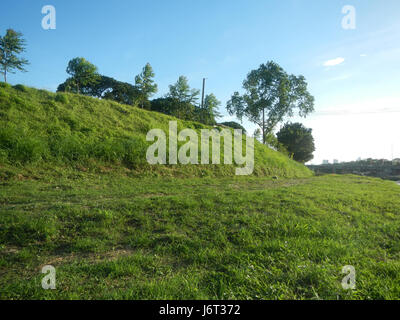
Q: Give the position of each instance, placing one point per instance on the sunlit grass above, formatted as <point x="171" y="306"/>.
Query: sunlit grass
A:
<point x="110" y="236"/>
<point x="38" y="127"/>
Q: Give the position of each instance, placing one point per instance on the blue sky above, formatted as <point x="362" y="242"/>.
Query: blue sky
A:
<point x="353" y="74"/>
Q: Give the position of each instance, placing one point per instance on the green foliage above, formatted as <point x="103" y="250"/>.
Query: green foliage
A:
<point x="257" y="134"/>
<point x="181" y="92"/>
<point x="106" y="88"/>
<point x="145" y="84"/>
<point x="210" y="112"/>
<point x="270" y="95"/>
<point x="234" y="125"/>
<point x="4" y="85"/>
<point x="11" y="45"/>
<point x="83" y="74"/>
<point x="20" y="87"/>
<point x="171" y="106"/>
<point x="123" y="92"/>
<point x="62" y="98"/>
<point x="181" y="102"/>
<point x="22" y="147"/>
<point x="298" y="141"/>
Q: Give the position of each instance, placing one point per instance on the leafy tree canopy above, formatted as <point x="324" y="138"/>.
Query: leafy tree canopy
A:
<point x="181" y="91"/>
<point x="210" y="109"/>
<point x="83" y="74"/>
<point x="298" y="141"/>
<point x="145" y="84"/>
<point x="270" y="96"/>
<point x="234" y="125"/>
<point x="257" y="134"/>
<point x="11" y="45"/>
<point x="106" y="88"/>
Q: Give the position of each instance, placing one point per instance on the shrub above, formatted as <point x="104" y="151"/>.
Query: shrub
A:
<point x="68" y="148"/>
<point x="134" y="151"/>
<point x="4" y="85"/>
<point x="20" y="87"/>
<point x="62" y="98"/>
<point x="21" y="147"/>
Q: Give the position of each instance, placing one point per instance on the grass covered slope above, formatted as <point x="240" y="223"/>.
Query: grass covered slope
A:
<point x="38" y="127"/>
<point x="113" y="237"/>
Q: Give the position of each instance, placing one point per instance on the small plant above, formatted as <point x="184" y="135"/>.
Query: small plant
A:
<point x="20" y="87"/>
<point x="4" y="85"/>
<point x="62" y="98"/>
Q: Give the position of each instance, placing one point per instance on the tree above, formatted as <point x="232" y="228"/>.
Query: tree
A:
<point x="105" y="88"/>
<point x="101" y="87"/>
<point x="184" y="98"/>
<point x="234" y="125"/>
<point x="298" y="141"/>
<point x="145" y="84"/>
<point x="257" y="134"/>
<point x="122" y="92"/>
<point x="270" y="95"/>
<point x="181" y="91"/>
<point x="210" y="110"/>
<point x="83" y="75"/>
<point x="11" y="45"/>
<point x="164" y="105"/>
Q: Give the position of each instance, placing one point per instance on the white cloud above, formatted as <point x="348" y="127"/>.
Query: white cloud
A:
<point x="333" y="62"/>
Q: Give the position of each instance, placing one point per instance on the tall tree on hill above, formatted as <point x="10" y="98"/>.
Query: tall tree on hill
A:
<point x="11" y="45"/>
<point x="181" y="91"/>
<point x="83" y="74"/>
<point x="145" y="84"/>
<point x="184" y="97"/>
<point x="210" y="109"/>
<point x="270" y="95"/>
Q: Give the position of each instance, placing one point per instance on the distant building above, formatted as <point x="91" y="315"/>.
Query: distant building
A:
<point x="335" y="161"/>
<point x="359" y="159"/>
<point x="325" y="161"/>
<point x="396" y="161"/>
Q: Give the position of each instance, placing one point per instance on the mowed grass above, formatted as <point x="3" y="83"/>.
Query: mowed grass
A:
<point x="111" y="236"/>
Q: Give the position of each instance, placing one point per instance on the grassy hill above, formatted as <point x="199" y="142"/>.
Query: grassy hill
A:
<point x="38" y="127"/>
<point x="77" y="194"/>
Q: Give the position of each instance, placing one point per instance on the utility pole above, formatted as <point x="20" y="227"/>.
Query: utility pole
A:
<point x="202" y="100"/>
<point x="202" y="93"/>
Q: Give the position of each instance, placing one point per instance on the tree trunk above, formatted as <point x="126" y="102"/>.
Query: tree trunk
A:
<point x="263" y="127"/>
<point x="5" y="76"/>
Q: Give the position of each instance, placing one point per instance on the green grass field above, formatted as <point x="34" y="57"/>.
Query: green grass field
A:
<point x="115" y="237"/>
<point x="76" y="193"/>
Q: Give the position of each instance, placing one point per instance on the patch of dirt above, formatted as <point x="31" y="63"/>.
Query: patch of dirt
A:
<point x="93" y="257"/>
<point x="10" y="250"/>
